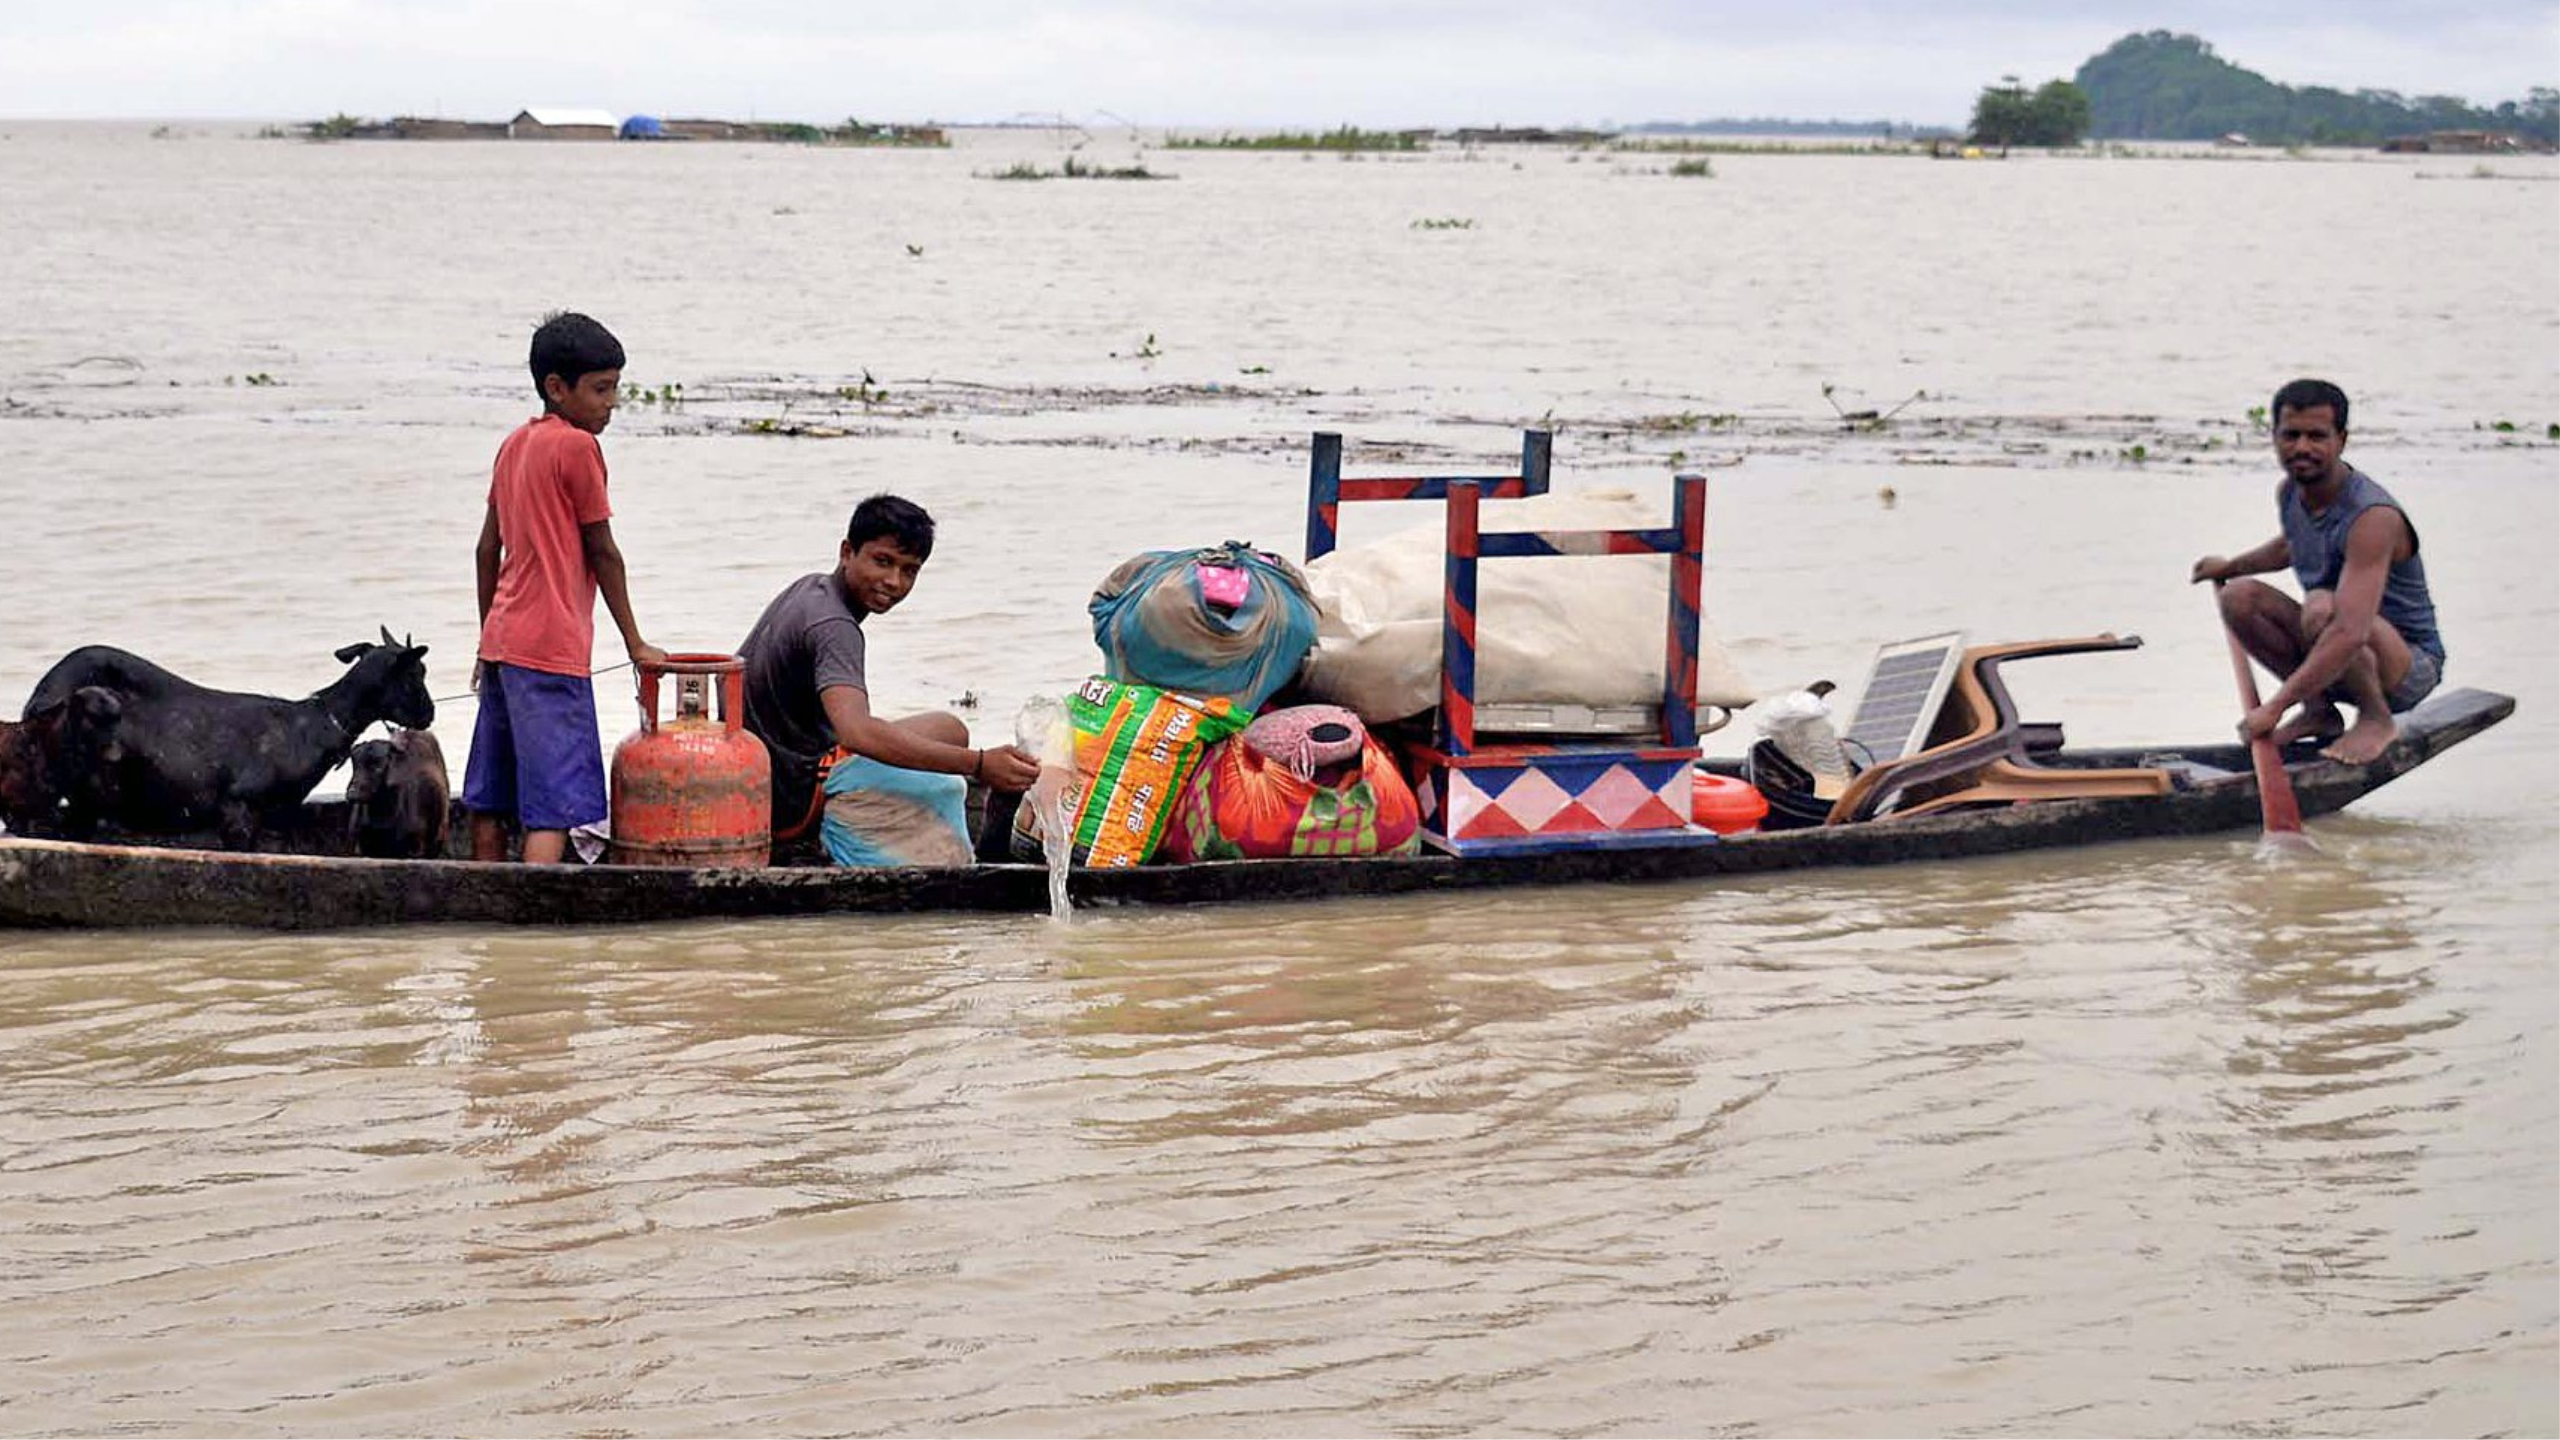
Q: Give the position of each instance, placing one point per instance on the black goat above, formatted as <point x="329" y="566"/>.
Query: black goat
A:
<point x="193" y="758"/>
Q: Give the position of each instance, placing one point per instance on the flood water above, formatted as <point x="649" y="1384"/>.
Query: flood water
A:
<point x="2154" y="1138"/>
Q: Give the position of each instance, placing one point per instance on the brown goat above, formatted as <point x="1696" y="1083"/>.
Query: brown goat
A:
<point x="62" y="751"/>
<point x="398" y="797"/>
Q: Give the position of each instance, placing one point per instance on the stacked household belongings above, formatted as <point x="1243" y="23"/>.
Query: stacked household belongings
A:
<point x="1194" y="643"/>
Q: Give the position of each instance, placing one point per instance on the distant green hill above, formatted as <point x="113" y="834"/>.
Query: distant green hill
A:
<point x="2161" y="86"/>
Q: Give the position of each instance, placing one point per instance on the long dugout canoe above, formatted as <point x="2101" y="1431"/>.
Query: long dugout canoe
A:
<point x="103" y="886"/>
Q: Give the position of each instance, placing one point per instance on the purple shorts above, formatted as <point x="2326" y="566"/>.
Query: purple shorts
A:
<point x="535" y="753"/>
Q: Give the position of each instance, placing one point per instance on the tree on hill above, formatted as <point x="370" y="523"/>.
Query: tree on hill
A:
<point x="2161" y="86"/>
<point x="2057" y="113"/>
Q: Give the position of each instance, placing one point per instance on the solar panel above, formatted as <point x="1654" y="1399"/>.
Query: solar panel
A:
<point x="1904" y="690"/>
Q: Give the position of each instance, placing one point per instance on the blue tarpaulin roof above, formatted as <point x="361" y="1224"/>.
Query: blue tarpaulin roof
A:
<point x="643" y="127"/>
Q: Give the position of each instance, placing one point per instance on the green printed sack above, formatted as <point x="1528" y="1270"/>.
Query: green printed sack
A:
<point x="1135" y="745"/>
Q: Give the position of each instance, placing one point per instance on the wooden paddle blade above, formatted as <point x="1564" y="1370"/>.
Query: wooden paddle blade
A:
<point x="2276" y="803"/>
<point x="2275" y="789"/>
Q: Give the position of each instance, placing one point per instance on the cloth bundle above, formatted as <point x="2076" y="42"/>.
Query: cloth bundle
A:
<point x="1307" y="780"/>
<point x="1135" y="745"/>
<point x="881" y="815"/>
<point x="1229" y="621"/>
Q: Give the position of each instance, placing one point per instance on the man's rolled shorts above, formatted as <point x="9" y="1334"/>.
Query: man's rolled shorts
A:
<point x="535" y="751"/>
<point x="2425" y="673"/>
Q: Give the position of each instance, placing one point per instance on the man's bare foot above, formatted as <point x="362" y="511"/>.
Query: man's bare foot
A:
<point x="2317" y="720"/>
<point x="2364" y="741"/>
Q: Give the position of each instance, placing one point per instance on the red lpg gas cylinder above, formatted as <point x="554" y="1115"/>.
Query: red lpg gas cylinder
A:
<point x="693" y="790"/>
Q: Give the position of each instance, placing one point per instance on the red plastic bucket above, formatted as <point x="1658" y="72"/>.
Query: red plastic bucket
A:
<point x="1724" y="804"/>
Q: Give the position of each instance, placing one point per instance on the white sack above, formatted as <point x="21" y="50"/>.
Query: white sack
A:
<point x="1550" y="630"/>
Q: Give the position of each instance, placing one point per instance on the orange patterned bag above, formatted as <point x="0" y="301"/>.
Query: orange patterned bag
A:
<point x="1308" y="780"/>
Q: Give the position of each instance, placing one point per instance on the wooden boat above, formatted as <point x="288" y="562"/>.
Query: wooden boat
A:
<point x="56" y="883"/>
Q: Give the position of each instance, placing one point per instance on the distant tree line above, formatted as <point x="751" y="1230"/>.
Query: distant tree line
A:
<point x="2006" y="114"/>
<point x="2160" y="86"/>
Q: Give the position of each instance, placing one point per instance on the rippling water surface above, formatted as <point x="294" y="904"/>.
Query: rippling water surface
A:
<point x="2161" y="1137"/>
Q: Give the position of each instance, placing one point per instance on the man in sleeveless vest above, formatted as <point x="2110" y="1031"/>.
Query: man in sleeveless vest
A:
<point x="2364" y="631"/>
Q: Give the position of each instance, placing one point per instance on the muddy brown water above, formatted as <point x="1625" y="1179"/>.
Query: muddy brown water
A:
<point x="2151" y="1138"/>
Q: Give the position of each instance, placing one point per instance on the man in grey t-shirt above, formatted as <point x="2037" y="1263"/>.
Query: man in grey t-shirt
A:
<point x="806" y="690"/>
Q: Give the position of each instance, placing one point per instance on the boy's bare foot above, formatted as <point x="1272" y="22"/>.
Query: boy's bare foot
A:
<point x="2364" y="741"/>
<point x="2316" y="720"/>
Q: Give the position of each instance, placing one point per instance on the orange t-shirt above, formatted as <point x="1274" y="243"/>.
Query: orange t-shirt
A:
<point x="548" y="481"/>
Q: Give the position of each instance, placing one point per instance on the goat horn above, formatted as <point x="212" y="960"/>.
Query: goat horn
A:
<point x="386" y="636"/>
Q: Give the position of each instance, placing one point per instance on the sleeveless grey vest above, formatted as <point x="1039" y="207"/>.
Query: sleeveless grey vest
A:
<point x="2319" y="544"/>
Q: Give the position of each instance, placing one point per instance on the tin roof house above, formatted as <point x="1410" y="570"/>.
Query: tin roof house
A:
<point x="545" y="122"/>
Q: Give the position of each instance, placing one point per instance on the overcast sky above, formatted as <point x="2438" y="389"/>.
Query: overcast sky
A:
<point x="1301" y="63"/>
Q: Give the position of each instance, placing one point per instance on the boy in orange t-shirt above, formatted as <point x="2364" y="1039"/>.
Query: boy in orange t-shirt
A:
<point x="546" y="550"/>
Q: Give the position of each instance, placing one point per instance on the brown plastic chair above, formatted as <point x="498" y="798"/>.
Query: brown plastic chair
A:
<point x="1980" y="753"/>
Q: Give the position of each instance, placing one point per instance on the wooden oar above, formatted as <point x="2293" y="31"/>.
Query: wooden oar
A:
<point x="2275" y="788"/>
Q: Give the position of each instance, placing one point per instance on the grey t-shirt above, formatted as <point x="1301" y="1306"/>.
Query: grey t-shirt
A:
<point x="808" y="639"/>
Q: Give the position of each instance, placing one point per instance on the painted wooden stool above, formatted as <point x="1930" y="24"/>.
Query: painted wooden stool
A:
<point x="1514" y="798"/>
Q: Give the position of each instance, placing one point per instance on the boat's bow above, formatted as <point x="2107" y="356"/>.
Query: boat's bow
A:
<point x="2442" y="722"/>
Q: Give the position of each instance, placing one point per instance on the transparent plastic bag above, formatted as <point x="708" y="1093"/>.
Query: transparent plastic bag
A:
<point x="1800" y="726"/>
